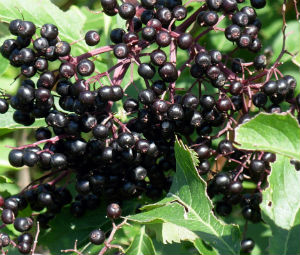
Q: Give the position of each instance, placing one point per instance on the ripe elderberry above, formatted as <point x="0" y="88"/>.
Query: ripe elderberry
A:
<point x="113" y="211"/>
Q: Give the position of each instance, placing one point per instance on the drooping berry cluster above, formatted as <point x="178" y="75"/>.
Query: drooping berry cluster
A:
<point x="134" y="158"/>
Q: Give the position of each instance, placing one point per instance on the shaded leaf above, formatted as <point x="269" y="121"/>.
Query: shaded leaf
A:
<point x="281" y="207"/>
<point x="141" y="244"/>
<point x="7" y="124"/>
<point x="77" y="228"/>
<point x="5" y="179"/>
<point x="203" y="248"/>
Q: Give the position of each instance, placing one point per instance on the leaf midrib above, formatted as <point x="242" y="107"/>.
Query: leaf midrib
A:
<point x="203" y="222"/>
<point x="141" y="239"/>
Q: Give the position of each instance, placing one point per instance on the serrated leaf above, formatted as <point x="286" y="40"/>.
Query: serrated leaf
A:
<point x="281" y="207"/>
<point x="7" y="124"/>
<point x="69" y="23"/>
<point x="169" y="233"/>
<point x="278" y="133"/>
<point x="141" y="244"/>
<point x="188" y="206"/>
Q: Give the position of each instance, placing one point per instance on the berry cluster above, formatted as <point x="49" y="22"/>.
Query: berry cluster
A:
<point x="125" y="160"/>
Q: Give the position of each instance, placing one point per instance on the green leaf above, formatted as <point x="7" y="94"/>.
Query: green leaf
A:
<point x="281" y="207"/>
<point x="203" y="248"/>
<point x="169" y="233"/>
<point x="69" y="23"/>
<point x="4" y="63"/>
<point x="5" y="179"/>
<point x="292" y="30"/>
<point x="141" y="244"/>
<point x="4" y="151"/>
<point x="8" y="125"/>
<point x="9" y="188"/>
<point x="188" y="206"/>
<point x="296" y="59"/>
<point x="74" y="228"/>
<point x="278" y="133"/>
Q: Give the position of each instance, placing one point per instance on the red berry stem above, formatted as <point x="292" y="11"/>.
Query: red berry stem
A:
<point x="51" y="140"/>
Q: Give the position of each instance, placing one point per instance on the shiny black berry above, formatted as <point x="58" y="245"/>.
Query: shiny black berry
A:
<point x="159" y="87"/>
<point x="3" y="106"/>
<point x="260" y="99"/>
<point x="49" y="31"/>
<point x="116" y="35"/>
<point x="85" y="67"/>
<point x="149" y="34"/>
<point x="260" y="62"/>
<point x="185" y="41"/>
<point x="240" y="18"/>
<point x="126" y="140"/>
<point x="15" y="157"/>
<point x="257" y="166"/>
<point x="163" y="39"/>
<point x="258" y="4"/>
<point x="97" y="237"/>
<point x="23" y="224"/>
<point x="121" y="50"/>
<point x="168" y="72"/>
<point x="158" y="57"/>
<point x="24" y="247"/>
<point x="148" y="4"/>
<point x="92" y="38"/>
<point x="247" y="245"/>
<point x="130" y="105"/>
<point x="179" y="12"/>
<point x="26" y="29"/>
<point x="233" y="32"/>
<point x="7" y="216"/>
<point x="147" y="71"/>
<point x="127" y="11"/>
<point x="225" y="147"/>
<point x="175" y="112"/>
<point x="146" y="96"/>
<point x="113" y="211"/>
<point x="62" y="49"/>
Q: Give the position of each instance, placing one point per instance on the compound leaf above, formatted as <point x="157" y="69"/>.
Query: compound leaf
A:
<point x="188" y="206"/>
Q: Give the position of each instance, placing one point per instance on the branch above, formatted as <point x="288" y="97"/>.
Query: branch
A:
<point x="107" y="244"/>
<point x="51" y="140"/>
<point x="36" y="238"/>
<point x="73" y="250"/>
<point x="93" y="53"/>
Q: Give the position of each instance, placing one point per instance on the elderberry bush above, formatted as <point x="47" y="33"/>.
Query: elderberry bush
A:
<point x="113" y="138"/>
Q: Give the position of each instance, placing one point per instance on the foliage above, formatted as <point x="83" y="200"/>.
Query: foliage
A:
<point x="184" y="219"/>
